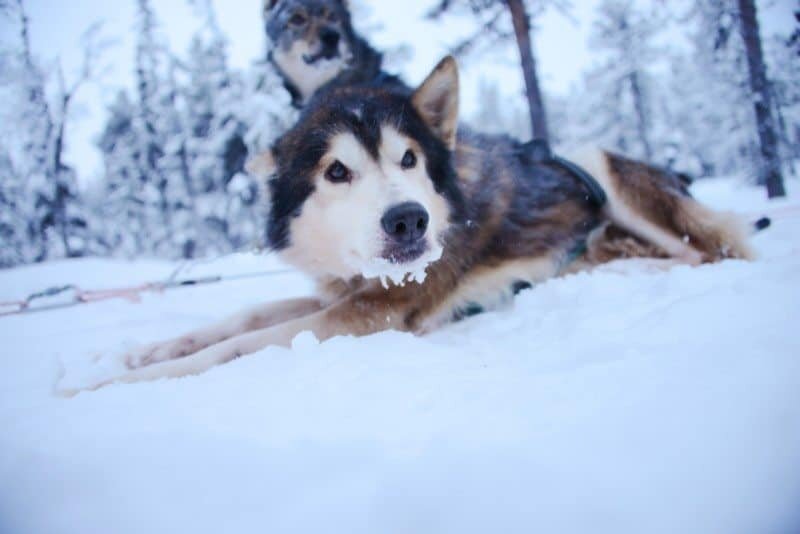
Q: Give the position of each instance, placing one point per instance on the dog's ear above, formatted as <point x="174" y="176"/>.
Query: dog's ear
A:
<point x="436" y="100"/>
<point x="269" y="4"/>
<point x="262" y="166"/>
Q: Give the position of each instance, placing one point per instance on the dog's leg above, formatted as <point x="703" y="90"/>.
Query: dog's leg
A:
<point x="654" y="206"/>
<point x="354" y="316"/>
<point x="255" y="319"/>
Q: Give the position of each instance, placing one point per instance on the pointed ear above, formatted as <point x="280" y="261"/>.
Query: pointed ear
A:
<point x="436" y="100"/>
<point x="262" y="165"/>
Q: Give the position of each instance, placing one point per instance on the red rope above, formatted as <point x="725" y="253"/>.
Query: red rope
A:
<point x="19" y="304"/>
<point x="131" y="294"/>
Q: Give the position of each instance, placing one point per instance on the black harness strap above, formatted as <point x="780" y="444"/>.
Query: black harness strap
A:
<point x="596" y="191"/>
<point x="539" y="151"/>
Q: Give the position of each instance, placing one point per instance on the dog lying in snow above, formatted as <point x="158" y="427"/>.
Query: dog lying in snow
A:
<point x="407" y="223"/>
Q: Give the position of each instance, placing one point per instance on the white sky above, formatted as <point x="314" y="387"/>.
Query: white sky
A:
<point x="56" y="27"/>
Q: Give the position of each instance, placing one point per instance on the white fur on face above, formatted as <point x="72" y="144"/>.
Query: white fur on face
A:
<point x="339" y="232"/>
<point x="309" y="78"/>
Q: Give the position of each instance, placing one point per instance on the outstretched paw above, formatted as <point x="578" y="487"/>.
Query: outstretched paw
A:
<point x="159" y="352"/>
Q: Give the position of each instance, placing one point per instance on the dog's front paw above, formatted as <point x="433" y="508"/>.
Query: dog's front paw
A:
<point x="159" y="352"/>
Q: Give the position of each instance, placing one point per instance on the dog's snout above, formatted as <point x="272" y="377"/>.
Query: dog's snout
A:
<point x="406" y="223"/>
<point x="330" y="38"/>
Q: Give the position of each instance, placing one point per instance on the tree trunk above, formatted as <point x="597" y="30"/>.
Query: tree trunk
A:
<point x="770" y="165"/>
<point x="61" y="193"/>
<point x="535" y="103"/>
<point x="642" y="122"/>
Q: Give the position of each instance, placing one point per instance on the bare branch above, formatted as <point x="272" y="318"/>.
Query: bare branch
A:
<point x="490" y="28"/>
<point x="439" y="9"/>
<point x="25" y="34"/>
<point x="94" y="45"/>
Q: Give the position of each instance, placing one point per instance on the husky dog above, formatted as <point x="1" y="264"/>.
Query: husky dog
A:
<point x="314" y="46"/>
<point x="407" y="223"/>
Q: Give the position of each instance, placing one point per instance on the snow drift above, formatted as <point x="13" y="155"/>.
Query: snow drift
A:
<point x="626" y="400"/>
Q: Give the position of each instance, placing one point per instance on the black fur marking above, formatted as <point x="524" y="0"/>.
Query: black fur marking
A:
<point x="519" y="286"/>
<point x="287" y="200"/>
<point x="470" y="310"/>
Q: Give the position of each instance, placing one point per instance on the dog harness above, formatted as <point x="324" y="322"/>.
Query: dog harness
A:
<point x="539" y="151"/>
<point x="596" y="192"/>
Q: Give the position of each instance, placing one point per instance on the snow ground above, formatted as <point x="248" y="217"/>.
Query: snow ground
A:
<point x="622" y="401"/>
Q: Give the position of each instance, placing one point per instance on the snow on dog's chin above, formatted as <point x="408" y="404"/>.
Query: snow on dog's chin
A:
<point x="399" y="274"/>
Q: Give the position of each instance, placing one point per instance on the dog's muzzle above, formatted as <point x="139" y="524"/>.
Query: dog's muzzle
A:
<point x="329" y="46"/>
<point x="405" y="226"/>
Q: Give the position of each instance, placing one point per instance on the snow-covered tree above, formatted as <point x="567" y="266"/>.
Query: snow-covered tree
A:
<point x="706" y="98"/>
<point x="175" y="154"/>
<point x="124" y="201"/>
<point x="618" y="100"/>
<point x="13" y="214"/>
<point x="711" y="102"/>
<point x="782" y="57"/>
<point x="46" y="217"/>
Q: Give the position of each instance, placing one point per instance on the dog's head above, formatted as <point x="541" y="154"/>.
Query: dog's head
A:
<point x="364" y="183"/>
<point x="312" y="40"/>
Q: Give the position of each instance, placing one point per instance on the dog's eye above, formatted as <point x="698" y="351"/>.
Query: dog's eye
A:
<point x="338" y="173"/>
<point x="409" y="160"/>
<point x="298" y="19"/>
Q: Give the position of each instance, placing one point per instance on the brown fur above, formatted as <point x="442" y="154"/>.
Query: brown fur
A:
<point x="663" y="199"/>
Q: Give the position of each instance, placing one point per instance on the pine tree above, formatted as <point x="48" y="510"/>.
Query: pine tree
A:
<point x="712" y="105"/>
<point x="174" y="154"/>
<point x="13" y="212"/>
<point x="41" y="187"/>
<point x="123" y="204"/>
<point x="149" y="75"/>
<point x="794" y="39"/>
<point x="710" y="100"/>
<point x="784" y="76"/>
<point x="620" y="89"/>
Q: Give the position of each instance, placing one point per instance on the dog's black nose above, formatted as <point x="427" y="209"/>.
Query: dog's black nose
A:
<point x="406" y="223"/>
<point x="330" y="38"/>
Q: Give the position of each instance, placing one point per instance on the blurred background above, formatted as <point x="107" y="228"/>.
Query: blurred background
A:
<point x="124" y="126"/>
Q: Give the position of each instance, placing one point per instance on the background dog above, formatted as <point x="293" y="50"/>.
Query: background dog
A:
<point x="408" y="224"/>
<point x="314" y="46"/>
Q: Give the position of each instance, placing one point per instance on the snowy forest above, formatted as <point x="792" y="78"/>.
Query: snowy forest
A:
<point x="174" y="145"/>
